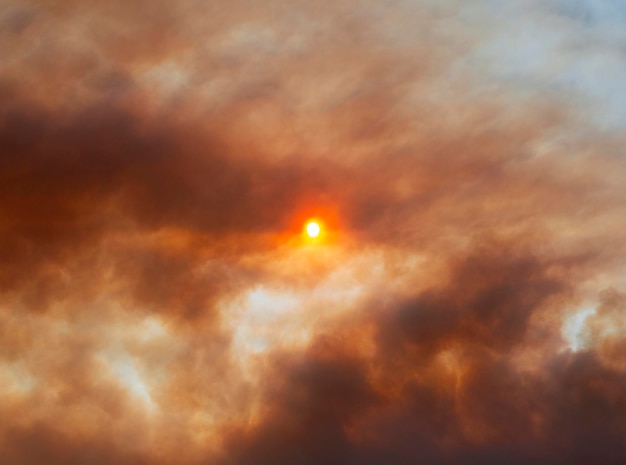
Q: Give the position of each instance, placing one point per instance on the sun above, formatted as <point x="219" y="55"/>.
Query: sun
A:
<point x="313" y="229"/>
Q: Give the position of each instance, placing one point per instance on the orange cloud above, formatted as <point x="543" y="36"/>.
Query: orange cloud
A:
<point x="157" y="302"/>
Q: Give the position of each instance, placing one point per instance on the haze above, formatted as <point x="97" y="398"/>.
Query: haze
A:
<point x="464" y="303"/>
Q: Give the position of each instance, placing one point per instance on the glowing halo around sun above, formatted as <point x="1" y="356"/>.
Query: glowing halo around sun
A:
<point x="313" y="229"/>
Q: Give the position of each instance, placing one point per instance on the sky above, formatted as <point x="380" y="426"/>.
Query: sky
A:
<point x="464" y="303"/>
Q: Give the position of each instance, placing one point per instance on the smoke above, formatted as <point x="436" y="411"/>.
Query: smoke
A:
<point x="159" y="304"/>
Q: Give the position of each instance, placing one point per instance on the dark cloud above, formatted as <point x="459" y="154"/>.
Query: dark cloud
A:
<point x="308" y="410"/>
<point x="489" y="301"/>
<point x="73" y="189"/>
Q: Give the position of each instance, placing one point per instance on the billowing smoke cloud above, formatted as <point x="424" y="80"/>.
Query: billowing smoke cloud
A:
<point x="159" y="304"/>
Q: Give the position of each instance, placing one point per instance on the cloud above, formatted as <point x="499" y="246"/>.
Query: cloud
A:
<point x="159" y="305"/>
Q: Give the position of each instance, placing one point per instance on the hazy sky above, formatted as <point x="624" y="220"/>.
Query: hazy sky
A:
<point x="464" y="304"/>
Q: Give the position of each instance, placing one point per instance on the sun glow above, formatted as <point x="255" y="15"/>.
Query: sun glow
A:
<point x="313" y="229"/>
